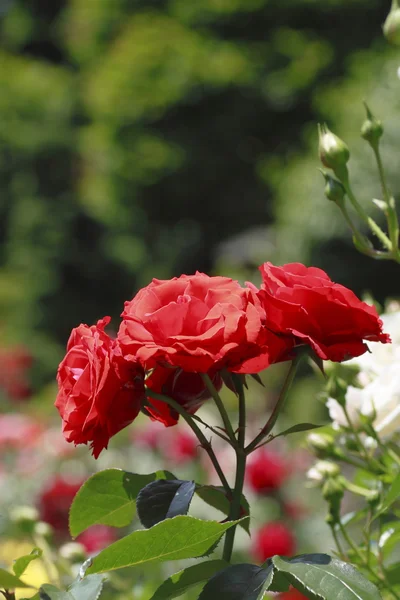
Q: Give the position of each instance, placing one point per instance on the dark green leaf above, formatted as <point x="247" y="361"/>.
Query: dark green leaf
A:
<point x="393" y="574"/>
<point x="390" y="538"/>
<point x="164" y="499"/>
<point x="10" y="581"/>
<point x="297" y="429"/>
<point x="173" y="539"/>
<point x="180" y="582"/>
<point x="215" y="496"/>
<point x="108" y="498"/>
<point x="321" y="577"/>
<point x="21" y="563"/>
<point x="237" y="582"/>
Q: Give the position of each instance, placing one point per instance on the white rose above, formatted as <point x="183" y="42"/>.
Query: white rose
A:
<point x="379" y="400"/>
<point x="383" y="397"/>
<point x="354" y="403"/>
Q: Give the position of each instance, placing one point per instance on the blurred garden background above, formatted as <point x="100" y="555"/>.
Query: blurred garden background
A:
<point x="150" y="138"/>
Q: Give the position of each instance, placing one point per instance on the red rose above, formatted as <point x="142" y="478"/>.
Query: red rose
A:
<point x="99" y="392"/>
<point x="303" y="302"/>
<point x="197" y="323"/>
<point x="266" y="471"/>
<point x="186" y="388"/>
<point x="273" y="538"/>
<point x="55" y="502"/>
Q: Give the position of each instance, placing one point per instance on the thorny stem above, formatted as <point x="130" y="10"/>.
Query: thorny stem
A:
<point x="374" y="227"/>
<point x="235" y="509"/>
<point x="266" y="430"/>
<point x="220" y="405"/>
<point x="206" y="444"/>
<point x="391" y="213"/>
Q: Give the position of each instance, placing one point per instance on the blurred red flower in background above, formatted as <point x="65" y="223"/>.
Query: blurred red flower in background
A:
<point x="266" y="471"/>
<point x="292" y="594"/>
<point x="273" y="538"/>
<point x="55" y="502"/>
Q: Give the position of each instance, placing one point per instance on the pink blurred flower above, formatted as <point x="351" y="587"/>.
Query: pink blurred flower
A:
<point x="97" y="538"/>
<point x="18" y="431"/>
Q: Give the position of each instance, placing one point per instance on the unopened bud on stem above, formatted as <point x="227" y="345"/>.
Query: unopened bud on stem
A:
<point x="334" y="190"/>
<point x="333" y="152"/>
<point x="391" y="27"/>
<point x="372" y="129"/>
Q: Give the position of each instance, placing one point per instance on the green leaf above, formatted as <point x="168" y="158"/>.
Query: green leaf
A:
<point x="173" y="539"/>
<point x="22" y="563"/>
<point x="180" y="582"/>
<point x="49" y="592"/>
<point x="298" y="428"/>
<point x="391" y="497"/>
<point x="108" y="498"/>
<point x="88" y="588"/>
<point x="10" y="581"/>
<point x="237" y="582"/>
<point x="215" y="496"/>
<point x="320" y="576"/>
<point x="164" y="499"/>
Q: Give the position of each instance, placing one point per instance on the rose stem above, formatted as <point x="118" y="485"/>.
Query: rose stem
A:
<point x="220" y="405"/>
<point x="278" y="406"/>
<point x="198" y="433"/>
<point x="241" y="456"/>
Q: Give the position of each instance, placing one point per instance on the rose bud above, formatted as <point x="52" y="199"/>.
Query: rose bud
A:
<point x="273" y="538"/>
<point x="334" y="190"/>
<point x="372" y="129"/>
<point x="333" y="152"/>
<point x="391" y="27"/>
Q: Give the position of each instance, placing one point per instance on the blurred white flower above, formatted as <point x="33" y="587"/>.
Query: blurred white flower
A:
<point x="379" y="377"/>
<point x="321" y="470"/>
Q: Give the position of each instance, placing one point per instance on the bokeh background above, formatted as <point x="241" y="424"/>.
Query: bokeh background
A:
<point x="150" y="138"/>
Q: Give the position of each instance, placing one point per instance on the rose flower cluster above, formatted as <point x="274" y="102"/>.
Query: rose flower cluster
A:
<point x="173" y="331"/>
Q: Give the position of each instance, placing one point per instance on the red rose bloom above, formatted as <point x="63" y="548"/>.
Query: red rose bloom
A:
<point x="99" y="392"/>
<point x="273" y="538"/>
<point x="303" y="302"/>
<point x="197" y="323"/>
<point x="186" y="388"/>
<point x="266" y="471"/>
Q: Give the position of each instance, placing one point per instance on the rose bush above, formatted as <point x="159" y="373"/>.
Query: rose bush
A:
<point x="305" y="303"/>
<point x="99" y="392"/>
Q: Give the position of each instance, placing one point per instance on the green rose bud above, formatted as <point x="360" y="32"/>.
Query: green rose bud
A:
<point x="372" y="129"/>
<point x="391" y="27"/>
<point x="24" y="517"/>
<point x="333" y="152"/>
<point x="73" y="552"/>
<point x="334" y="190"/>
<point x="333" y="492"/>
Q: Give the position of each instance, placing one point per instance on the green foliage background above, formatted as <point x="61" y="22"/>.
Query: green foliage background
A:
<point x="146" y="138"/>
